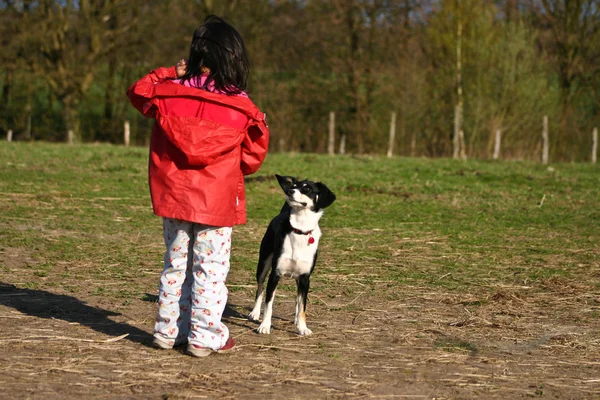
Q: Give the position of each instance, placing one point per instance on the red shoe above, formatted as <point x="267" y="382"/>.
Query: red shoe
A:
<point x="199" y="351"/>
<point x="229" y="345"/>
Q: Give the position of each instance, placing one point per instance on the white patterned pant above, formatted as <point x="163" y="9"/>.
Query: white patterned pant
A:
<point x="192" y="293"/>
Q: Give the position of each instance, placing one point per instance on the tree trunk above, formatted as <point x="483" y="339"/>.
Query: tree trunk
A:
<point x="545" y="140"/>
<point x="512" y="11"/>
<point x="352" y="16"/>
<point x="109" y="128"/>
<point x="107" y="132"/>
<point x="594" y="145"/>
<point x="5" y="95"/>
<point x="458" y="111"/>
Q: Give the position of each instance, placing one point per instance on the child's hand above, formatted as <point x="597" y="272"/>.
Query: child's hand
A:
<point x="181" y="67"/>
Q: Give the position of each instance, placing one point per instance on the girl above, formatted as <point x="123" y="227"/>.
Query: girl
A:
<point x="207" y="136"/>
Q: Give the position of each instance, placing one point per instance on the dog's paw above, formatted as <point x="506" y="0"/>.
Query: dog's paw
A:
<point x="304" y="331"/>
<point x="254" y="316"/>
<point x="264" y="329"/>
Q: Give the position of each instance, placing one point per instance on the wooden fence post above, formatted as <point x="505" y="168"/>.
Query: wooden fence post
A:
<point x="392" y="135"/>
<point x="497" y="144"/>
<point x="70" y="136"/>
<point x="281" y="145"/>
<point x="594" y="145"/>
<point x="126" y="132"/>
<point x="343" y="145"/>
<point x="28" y="128"/>
<point x="545" y="145"/>
<point x="331" y="142"/>
<point x="9" y="135"/>
<point x="463" y="149"/>
<point x="456" y="138"/>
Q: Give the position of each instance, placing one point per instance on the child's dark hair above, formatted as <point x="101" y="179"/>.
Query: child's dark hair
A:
<point x="217" y="46"/>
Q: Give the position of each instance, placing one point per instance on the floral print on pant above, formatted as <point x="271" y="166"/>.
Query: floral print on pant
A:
<point x="192" y="293"/>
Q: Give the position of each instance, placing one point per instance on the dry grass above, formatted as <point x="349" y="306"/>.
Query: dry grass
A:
<point x="409" y="300"/>
<point x="427" y="343"/>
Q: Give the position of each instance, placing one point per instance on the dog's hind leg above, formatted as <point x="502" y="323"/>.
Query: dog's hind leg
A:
<point x="261" y="274"/>
<point x="265" y="326"/>
<point x="303" y="282"/>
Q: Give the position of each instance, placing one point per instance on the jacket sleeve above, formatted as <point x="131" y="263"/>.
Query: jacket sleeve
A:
<point x="254" y="147"/>
<point x="141" y="93"/>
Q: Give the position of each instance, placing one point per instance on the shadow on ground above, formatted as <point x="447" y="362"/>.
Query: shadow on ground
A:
<point x="42" y="304"/>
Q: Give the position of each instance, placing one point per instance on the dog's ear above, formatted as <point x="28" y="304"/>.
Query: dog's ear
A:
<point x="285" y="182"/>
<point x="325" y="197"/>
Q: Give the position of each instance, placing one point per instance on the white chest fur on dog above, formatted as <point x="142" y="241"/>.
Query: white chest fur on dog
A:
<point x="298" y="254"/>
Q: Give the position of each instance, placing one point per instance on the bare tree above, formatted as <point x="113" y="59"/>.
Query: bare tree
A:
<point x="574" y="27"/>
<point x="458" y="110"/>
<point x="74" y="38"/>
<point x="483" y="65"/>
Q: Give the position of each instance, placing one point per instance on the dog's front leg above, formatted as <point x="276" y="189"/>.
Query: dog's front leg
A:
<point x="255" y="313"/>
<point x="261" y="274"/>
<point x="265" y="326"/>
<point x="303" y="282"/>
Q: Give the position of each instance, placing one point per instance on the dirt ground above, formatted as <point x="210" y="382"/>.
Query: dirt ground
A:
<point x="377" y="340"/>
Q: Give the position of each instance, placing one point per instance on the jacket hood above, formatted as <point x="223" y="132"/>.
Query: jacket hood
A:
<point x="242" y="104"/>
<point x="201" y="141"/>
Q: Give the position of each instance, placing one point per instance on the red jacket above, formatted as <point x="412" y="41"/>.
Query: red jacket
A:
<point x="202" y="145"/>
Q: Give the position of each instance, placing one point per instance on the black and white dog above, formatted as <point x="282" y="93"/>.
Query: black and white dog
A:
<point x="289" y="247"/>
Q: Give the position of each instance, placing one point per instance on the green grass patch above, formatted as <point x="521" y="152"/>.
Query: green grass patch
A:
<point x="455" y="345"/>
<point x="83" y="212"/>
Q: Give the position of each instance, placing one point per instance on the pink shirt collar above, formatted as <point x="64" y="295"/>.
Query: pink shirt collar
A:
<point x="198" y="82"/>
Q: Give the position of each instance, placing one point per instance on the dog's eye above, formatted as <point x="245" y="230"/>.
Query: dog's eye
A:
<point x="305" y="190"/>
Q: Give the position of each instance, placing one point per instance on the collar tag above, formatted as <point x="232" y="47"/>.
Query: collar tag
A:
<point x="311" y="239"/>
